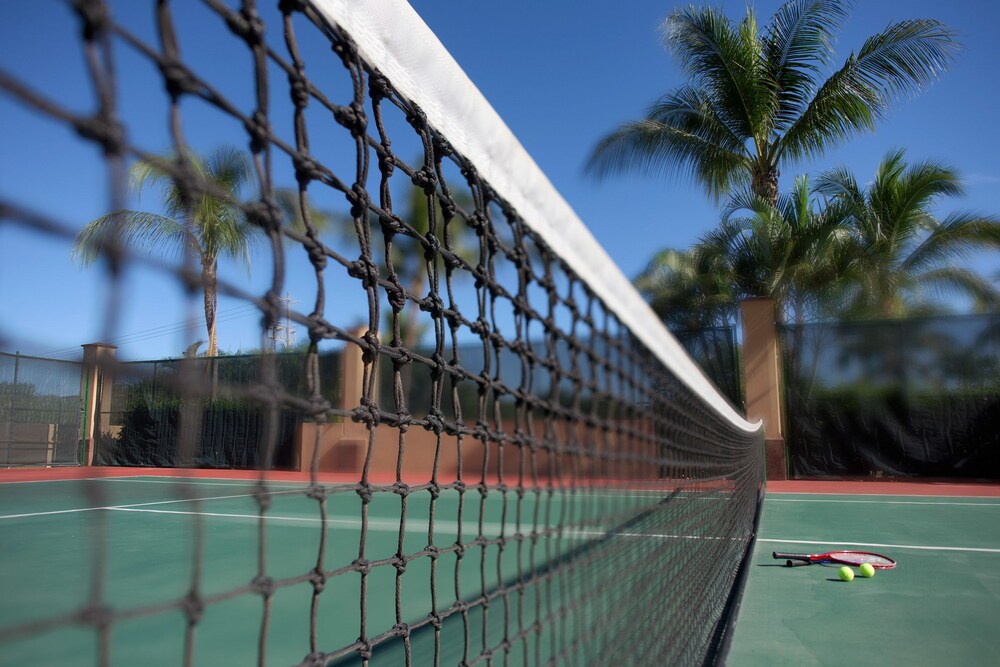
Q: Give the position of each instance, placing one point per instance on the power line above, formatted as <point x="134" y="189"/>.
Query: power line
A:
<point x="235" y="313"/>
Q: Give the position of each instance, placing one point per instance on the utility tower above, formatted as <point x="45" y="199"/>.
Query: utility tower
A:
<point x="283" y="332"/>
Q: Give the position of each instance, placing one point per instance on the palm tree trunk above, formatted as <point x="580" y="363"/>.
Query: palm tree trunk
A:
<point x="210" y="279"/>
<point x="764" y="183"/>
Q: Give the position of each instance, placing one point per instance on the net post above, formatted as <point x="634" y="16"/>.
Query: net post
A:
<point x="95" y="394"/>
<point x="762" y="377"/>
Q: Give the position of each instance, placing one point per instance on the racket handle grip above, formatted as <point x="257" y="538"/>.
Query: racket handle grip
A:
<point x="791" y="560"/>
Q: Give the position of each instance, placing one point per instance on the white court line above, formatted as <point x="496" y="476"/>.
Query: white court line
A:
<point x="257" y="517"/>
<point x="391" y="525"/>
<point x="289" y="491"/>
<point x="134" y="505"/>
<point x="380" y="525"/>
<point x="413" y="525"/>
<point x="31" y="515"/>
<point x="376" y="524"/>
<point x="383" y="525"/>
<point x="865" y="545"/>
<point x="884" y="502"/>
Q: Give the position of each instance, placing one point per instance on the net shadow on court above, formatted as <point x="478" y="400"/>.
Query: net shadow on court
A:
<point x="460" y="605"/>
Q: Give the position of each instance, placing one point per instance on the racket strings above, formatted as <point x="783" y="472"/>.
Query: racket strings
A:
<point x="861" y="557"/>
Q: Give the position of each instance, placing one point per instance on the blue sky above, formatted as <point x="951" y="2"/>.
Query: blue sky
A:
<point x="561" y="78"/>
<point x="560" y="74"/>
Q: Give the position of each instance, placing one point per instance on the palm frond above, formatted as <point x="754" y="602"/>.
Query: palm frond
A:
<point x="893" y="245"/>
<point x="651" y="147"/>
<point x="904" y="58"/>
<point x="690" y="110"/>
<point x="838" y="110"/>
<point x="899" y="61"/>
<point x="923" y="183"/>
<point x="902" y="196"/>
<point x="762" y="103"/>
<point x="229" y="167"/>
<point x="801" y="33"/>
<point x="952" y="282"/>
<point x="153" y="172"/>
<point x="723" y="60"/>
<point x="688" y="289"/>
<point x="698" y="37"/>
<point x="131" y="229"/>
<point x="959" y="235"/>
<point x="839" y="182"/>
<point x="744" y="199"/>
<point x="796" y="207"/>
<point x="662" y="266"/>
<point x="798" y="42"/>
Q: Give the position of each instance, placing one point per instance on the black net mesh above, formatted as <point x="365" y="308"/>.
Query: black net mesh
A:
<point x="717" y="352"/>
<point x="894" y="398"/>
<point x="520" y="480"/>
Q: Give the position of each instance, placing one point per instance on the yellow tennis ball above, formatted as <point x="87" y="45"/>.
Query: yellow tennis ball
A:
<point x="846" y="573"/>
<point x="867" y="570"/>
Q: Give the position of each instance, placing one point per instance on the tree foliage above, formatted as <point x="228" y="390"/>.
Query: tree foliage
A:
<point x="758" y="97"/>
<point x="201" y="219"/>
<point x="835" y="250"/>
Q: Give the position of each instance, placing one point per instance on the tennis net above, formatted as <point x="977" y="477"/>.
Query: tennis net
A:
<point x="525" y="469"/>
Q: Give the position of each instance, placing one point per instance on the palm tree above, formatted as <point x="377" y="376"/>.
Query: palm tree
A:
<point x="792" y="251"/>
<point x="798" y="252"/>
<point x="208" y="224"/>
<point x="756" y="100"/>
<point x="692" y="292"/>
<point x="689" y="289"/>
<point x="902" y="253"/>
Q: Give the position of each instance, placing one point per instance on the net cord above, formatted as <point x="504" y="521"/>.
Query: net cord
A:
<point x="394" y="39"/>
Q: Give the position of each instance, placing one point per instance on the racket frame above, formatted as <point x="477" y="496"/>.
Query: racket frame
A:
<point x="795" y="560"/>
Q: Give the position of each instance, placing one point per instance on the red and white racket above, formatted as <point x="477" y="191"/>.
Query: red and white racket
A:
<point x="878" y="561"/>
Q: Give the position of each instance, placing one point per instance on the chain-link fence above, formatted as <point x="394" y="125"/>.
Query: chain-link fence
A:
<point x="40" y="411"/>
<point x="145" y="421"/>
<point x="917" y="397"/>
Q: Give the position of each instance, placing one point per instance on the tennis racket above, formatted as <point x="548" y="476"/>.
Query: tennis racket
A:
<point x="878" y="561"/>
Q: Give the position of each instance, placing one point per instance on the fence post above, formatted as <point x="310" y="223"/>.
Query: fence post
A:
<point x="95" y="384"/>
<point x="12" y="405"/>
<point x="762" y="377"/>
<point x="339" y="443"/>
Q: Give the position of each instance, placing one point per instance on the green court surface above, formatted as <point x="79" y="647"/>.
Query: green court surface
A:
<point x="940" y="606"/>
<point x="127" y="545"/>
